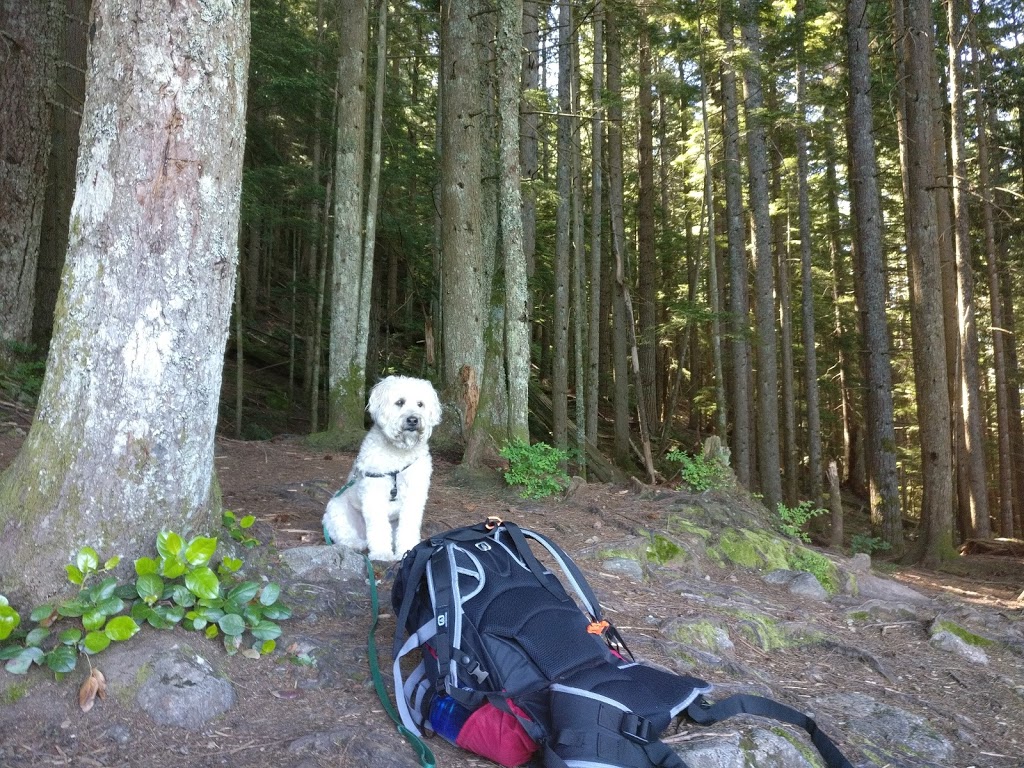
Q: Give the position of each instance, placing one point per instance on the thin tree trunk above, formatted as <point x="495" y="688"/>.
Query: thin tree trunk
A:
<point x="721" y="409"/>
<point x="646" y="247"/>
<point x="814" y="453"/>
<point x="764" y="277"/>
<point x="563" y="244"/>
<point x="739" y="306"/>
<point x="580" y="308"/>
<point x="853" y="467"/>
<point x="1006" y="465"/>
<point x="780" y="231"/>
<point x="596" y="145"/>
<point x="370" y="225"/>
<point x="620" y="333"/>
<point x="835" y="503"/>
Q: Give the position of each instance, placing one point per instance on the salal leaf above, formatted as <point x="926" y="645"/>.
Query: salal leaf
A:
<point x="200" y="550"/>
<point x="21" y="663"/>
<point x="62" y="659"/>
<point x="95" y="642"/>
<point x="149" y="586"/>
<point x="203" y="582"/>
<point x="169" y="544"/>
<point x="37" y="635"/>
<point x="266" y="630"/>
<point x="9" y="621"/>
<point x="121" y="628"/>
<point x="244" y="592"/>
<point x="270" y="593"/>
<point x="87" y="560"/>
<point x="231" y="624"/>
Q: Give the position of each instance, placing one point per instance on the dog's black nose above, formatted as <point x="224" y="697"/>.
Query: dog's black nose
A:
<point x="412" y="422"/>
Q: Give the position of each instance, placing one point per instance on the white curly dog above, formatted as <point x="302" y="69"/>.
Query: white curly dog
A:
<point x="380" y="508"/>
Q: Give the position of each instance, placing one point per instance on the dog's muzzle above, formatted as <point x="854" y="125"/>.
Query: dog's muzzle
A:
<point x="412" y="423"/>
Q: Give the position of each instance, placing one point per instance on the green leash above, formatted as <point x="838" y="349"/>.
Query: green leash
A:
<point x="422" y="751"/>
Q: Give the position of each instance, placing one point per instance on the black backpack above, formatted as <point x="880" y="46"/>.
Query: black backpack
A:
<point x="513" y="668"/>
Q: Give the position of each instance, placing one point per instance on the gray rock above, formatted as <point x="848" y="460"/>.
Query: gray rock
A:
<point x="947" y="641"/>
<point x="885" y="732"/>
<point x="624" y="565"/>
<point x="324" y="563"/>
<point x="860" y="563"/>
<point x="799" y="583"/>
<point x="183" y="690"/>
<point x="759" y="747"/>
<point x="871" y="586"/>
<point x="807" y="585"/>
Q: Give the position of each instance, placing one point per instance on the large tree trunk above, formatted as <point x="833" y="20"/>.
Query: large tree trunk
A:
<point x="346" y="371"/>
<point x="464" y="298"/>
<point x="970" y="378"/>
<point x="510" y="214"/>
<point x="28" y="72"/>
<point x="870" y="259"/>
<point x="764" y="271"/>
<point x="122" y="444"/>
<point x="739" y="305"/>
<point x="926" y="289"/>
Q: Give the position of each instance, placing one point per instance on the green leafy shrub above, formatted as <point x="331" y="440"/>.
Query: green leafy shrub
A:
<point x="820" y="566"/>
<point x="699" y="472"/>
<point x="237" y="528"/>
<point x="863" y="543"/>
<point x="537" y="468"/>
<point x="21" y="371"/>
<point x="793" y="519"/>
<point x="179" y="586"/>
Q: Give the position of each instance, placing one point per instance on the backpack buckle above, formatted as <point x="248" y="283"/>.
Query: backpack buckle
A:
<point x="636" y="728"/>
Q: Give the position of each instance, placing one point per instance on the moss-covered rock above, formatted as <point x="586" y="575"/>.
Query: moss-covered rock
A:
<point x="752" y="549"/>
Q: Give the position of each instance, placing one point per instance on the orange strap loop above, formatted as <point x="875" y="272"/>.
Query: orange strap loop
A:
<point x="598" y="627"/>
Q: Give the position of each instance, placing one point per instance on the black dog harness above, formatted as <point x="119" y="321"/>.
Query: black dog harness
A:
<point x="393" y="475"/>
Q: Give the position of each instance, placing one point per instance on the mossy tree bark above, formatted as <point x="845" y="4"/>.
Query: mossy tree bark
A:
<point x="122" y="444"/>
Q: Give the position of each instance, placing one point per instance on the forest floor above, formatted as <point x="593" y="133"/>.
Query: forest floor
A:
<point x="292" y="714"/>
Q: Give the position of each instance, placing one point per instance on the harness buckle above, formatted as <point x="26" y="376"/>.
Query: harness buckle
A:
<point x="636" y="728"/>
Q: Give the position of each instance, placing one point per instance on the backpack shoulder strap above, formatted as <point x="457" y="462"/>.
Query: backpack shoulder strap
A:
<point x="572" y="572"/>
<point x="706" y="713"/>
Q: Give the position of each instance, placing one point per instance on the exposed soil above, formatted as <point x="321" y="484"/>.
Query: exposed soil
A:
<point x="294" y="714"/>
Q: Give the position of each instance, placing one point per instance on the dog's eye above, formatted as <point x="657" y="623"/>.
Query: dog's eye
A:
<point x="419" y="404"/>
<point x="400" y="402"/>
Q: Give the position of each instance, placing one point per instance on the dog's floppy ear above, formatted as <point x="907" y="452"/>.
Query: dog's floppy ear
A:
<point x="378" y="395"/>
<point x="433" y="407"/>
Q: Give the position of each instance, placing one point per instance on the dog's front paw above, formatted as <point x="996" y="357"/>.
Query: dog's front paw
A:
<point x="385" y="556"/>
